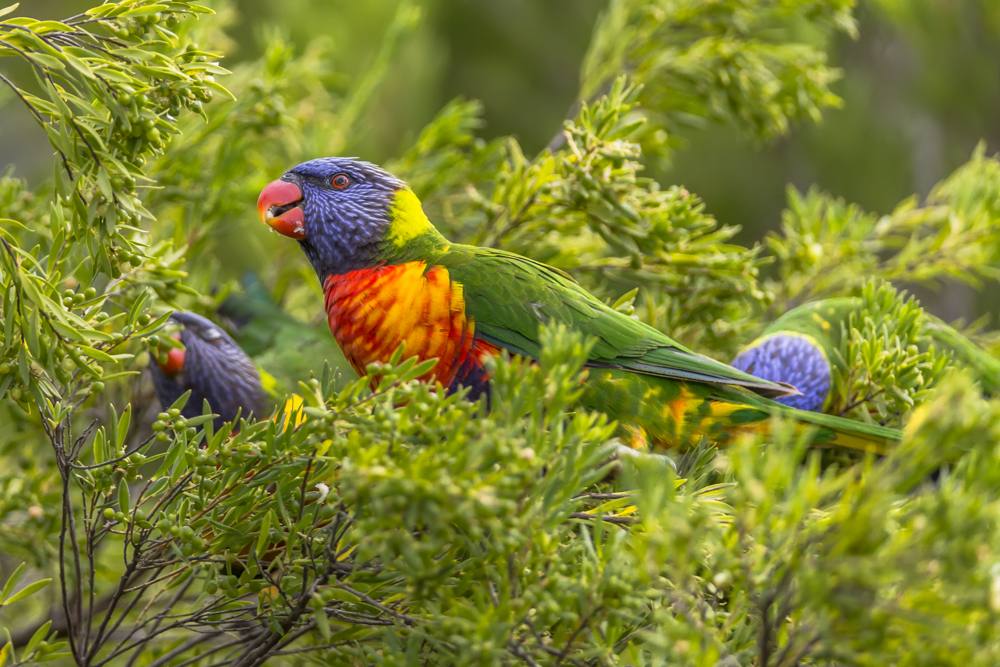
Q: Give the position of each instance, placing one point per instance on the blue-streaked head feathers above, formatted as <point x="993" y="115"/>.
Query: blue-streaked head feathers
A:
<point x="215" y="369"/>
<point x="344" y="211"/>
<point x="793" y="358"/>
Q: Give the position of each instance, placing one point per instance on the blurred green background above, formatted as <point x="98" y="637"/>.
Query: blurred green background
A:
<point x="921" y="87"/>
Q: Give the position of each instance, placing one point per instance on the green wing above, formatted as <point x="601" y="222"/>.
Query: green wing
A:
<point x="509" y="297"/>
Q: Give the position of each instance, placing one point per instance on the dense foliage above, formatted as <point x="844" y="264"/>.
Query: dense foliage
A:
<point x="401" y="526"/>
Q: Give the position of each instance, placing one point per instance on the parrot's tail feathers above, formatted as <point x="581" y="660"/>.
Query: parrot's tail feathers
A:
<point x="687" y="419"/>
<point x="836" y="431"/>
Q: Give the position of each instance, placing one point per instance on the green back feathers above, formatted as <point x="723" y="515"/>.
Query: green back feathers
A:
<point x="509" y="296"/>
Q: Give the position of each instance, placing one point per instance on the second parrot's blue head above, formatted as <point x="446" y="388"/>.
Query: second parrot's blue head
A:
<point x="213" y="368"/>
<point x="346" y="214"/>
<point x="793" y="358"/>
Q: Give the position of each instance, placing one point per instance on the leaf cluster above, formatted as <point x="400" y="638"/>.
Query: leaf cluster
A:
<point x="887" y="362"/>
<point x="756" y="64"/>
<point x="827" y="247"/>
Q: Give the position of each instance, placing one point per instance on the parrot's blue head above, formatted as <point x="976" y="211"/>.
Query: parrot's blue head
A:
<point x="343" y="212"/>
<point x="213" y="367"/>
<point x="793" y="358"/>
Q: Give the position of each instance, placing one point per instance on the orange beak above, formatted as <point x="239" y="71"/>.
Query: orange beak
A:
<point x="279" y="207"/>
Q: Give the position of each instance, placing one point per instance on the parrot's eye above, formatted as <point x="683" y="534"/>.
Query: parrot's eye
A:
<point x="340" y="181"/>
<point x="211" y="335"/>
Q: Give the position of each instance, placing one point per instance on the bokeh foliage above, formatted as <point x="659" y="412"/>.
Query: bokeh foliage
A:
<point x="401" y="526"/>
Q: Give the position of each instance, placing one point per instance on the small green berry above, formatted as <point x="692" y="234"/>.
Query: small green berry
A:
<point x="109" y="513"/>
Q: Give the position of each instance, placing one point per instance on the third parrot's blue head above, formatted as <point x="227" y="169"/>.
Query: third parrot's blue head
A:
<point x="793" y="358"/>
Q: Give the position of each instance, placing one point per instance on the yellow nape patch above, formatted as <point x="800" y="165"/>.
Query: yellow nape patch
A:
<point x="408" y="218"/>
<point x="268" y="382"/>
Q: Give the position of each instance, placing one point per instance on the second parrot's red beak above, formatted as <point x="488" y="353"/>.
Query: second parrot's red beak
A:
<point x="175" y="358"/>
<point x="279" y="207"/>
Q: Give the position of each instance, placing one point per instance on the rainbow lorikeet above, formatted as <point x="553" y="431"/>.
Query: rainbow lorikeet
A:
<point x="390" y="278"/>
<point x="213" y="367"/>
<point x="802" y="348"/>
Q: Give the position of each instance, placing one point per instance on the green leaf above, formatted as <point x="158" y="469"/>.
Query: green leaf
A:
<point x="263" y="537"/>
<point x="12" y="581"/>
<point x="101" y="453"/>
<point x="168" y="461"/>
<point x="3" y="12"/>
<point x="22" y="366"/>
<point x="30" y="289"/>
<point x="30" y="589"/>
<point x="143" y="11"/>
<point x="36" y="638"/>
<point x="67" y="331"/>
<point x="181" y="401"/>
<point x="79" y="65"/>
<point x="105" y="185"/>
<point x="322" y="621"/>
<point x="45" y="60"/>
<point x="59" y="655"/>
<point x="123" y="496"/>
<point x="94" y="353"/>
<point x="121" y="432"/>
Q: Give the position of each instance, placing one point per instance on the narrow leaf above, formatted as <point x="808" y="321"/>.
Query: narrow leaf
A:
<point x="12" y="582"/>
<point x="31" y="588"/>
<point x="123" y="424"/>
<point x="262" y="536"/>
<point x="123" y="498"/>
